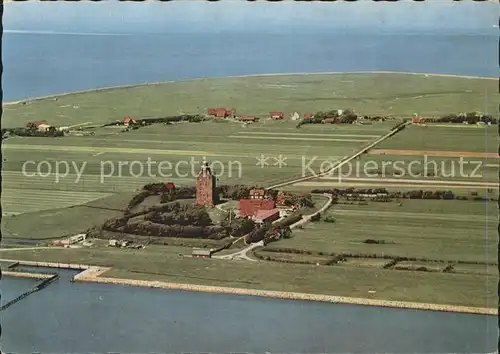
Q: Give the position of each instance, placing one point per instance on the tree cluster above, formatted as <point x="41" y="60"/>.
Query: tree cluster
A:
<point x="347" y="117"/>
<point x="52" y="132"/>
<point x="470" y="118"/>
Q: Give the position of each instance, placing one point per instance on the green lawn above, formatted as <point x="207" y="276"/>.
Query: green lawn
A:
<point x="432" y="230"/>
<point x="55" y="223"/>
<point x="374" y="94"/>
<point x="161" y="265"/>
<point x="445" y="139"/>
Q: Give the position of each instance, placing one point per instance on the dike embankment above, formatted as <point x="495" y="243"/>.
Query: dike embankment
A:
<point x="93" y="275"/>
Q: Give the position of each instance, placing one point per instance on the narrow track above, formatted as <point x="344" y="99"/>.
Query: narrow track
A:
<point x="344" y="161"/>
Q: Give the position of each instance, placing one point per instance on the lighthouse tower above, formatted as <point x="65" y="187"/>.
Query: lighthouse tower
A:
<point x="206" y="183"/>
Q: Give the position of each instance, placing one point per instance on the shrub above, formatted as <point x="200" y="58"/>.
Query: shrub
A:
<point x="329" y="219"/>
<point x="316" y="217"/>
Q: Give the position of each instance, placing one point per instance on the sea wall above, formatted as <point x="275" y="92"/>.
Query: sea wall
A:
<point x="93" y="274"/>
<point x="48" y="264"/>
<point x="285" y="295"/>
<point x="26" y="275"/>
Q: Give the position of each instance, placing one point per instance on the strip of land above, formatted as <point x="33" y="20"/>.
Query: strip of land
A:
<point x="94" y="274"/>
<point x="391" y="152"/>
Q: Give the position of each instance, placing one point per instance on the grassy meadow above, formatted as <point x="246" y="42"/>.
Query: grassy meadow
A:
<point x="440" y="230"/>
<point x="105" y="172"/>
<point x="167" y="264"/>
<point x="372" y="94"/>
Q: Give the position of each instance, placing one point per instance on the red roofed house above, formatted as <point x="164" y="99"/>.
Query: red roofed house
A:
<point x="276" y="115"/>
<point x="36" y="124"/>
<point x="418" y="120"/>
<point x="257" y="208"/>
<point x="263" y="216"/>
<point x="128" y="121"/>
<point x="221" y="112"/>
<point x="308" y="116"/>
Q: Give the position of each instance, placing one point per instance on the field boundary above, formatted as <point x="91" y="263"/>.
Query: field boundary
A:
<point x="397" y="152"/>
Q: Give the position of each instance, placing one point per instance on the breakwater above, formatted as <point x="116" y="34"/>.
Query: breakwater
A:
<point x="49" y="278"/>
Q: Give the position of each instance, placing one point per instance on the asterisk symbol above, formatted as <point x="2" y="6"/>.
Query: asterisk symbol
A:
<point x="262" y="161"/>
<point x="280" y="161"/>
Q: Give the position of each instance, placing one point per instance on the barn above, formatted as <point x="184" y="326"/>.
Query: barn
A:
<point x="276" y="115"/>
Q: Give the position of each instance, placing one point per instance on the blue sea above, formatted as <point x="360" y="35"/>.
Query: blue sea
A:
<point x="37" y="64"/>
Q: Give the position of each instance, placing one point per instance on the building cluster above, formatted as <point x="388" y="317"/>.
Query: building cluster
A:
<point x="259" y="206"/>
<point x="41" y="126"/>
<point x="231" y="113"/>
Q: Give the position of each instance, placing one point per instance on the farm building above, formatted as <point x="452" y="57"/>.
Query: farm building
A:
<point x="201" y="253"/>
<point x="250" y="207"/>
<point x="295" y="116"/>
<point x="128" y="121"/>
<point x="43" y="127"/>
<point x="36" y="124"/>
<point x="221" y="112"/>
<point x="206" y="183"/>
<point x="418" y="120"/>
<point x="276" y="115"/>
<point x="308" y="116"/>
<point x="263" y="216"/>
<point x="113" y="243"/>
<point x="257" y="193"/>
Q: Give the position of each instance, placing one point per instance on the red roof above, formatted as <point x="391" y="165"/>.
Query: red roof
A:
<point x="36" y="124"/>
<point x="276" y="114"/>
<point x="308" y="116"/>
<point x="246" y="118"/>
<point x="266" y="214"/>
<point x="250" y="207"/>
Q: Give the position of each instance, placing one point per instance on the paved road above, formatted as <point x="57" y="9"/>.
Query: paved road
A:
<point x="243" y="253"/>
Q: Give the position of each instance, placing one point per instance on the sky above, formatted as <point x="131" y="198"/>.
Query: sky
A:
<point x="240" y="15"/>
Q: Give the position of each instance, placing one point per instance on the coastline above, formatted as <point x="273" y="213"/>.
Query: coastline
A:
<point x="103" y="89"/>
<point x="93" y="274"/>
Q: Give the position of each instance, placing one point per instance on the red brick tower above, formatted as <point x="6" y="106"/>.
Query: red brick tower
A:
<point x="206" y="193"/>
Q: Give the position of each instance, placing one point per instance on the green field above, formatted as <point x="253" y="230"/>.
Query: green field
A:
<point x="423" y="229"/>
<point x="435" y="138"/>
<point x="101" y="180"/>
<point x="165" y="264"/>
<point x="372" y="94"/>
